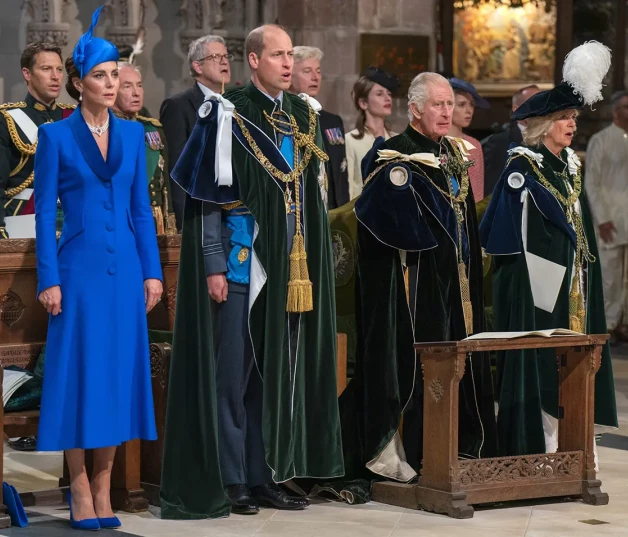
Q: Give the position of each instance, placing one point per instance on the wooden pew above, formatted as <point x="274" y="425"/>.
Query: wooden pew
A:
<point x="24" y="322"/>
<point x="21" y="423"/>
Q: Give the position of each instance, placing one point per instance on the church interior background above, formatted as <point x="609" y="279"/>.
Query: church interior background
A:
<point x="499" y="45"/>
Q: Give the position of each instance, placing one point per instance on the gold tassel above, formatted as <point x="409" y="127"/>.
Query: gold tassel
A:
<point x="467" y="307"/>
<point x="300" y="297"/>
<point x="576" y="305"/>
<point x="158" y="215"/>
<point x="406" y="282"/>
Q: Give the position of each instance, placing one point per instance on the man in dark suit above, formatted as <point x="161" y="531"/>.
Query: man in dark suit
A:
<point x="306" y="78"/>
<point x="210" y="66"/>
<point x="496" y="146"/>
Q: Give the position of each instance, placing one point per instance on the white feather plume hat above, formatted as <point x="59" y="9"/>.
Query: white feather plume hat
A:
<point x="584" y="70"/>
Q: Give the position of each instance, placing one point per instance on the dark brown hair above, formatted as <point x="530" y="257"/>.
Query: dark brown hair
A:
<point x="72" y="73"/>
<point x="361" y="90"/>
<point x="29" y="54"/>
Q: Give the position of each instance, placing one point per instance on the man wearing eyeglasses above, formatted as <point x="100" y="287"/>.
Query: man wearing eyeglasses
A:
<point x="210" y="68"/>
<point x="606" y="183"/>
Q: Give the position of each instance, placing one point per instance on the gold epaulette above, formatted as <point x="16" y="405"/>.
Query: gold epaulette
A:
<point x="24" y="148"/>
<point x="150" y="120"/>
<point x="20" y="104"/>
<point x="65" y="106"/>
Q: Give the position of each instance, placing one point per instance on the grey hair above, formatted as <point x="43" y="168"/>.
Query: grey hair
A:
<point x="131" y="65"/>
<point x="197" y="49"/>
<point x="302" y="53"/>
<point x="618" y="96"/>
<point x="419" y="91"/>
<point x="537" y="128"/>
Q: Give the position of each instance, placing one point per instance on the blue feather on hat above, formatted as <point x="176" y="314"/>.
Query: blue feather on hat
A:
<point x="91" y="51"/>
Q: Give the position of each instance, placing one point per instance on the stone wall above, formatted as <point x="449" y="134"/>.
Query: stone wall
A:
<point x="335" y="27"/>
<point x="332" y="25"/>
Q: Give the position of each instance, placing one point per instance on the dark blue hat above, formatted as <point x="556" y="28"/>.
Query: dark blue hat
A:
<point x="91" y="51"/>
<point x="584" y="70"/>
<point x="562" y="97"/>
<point x="381" y="77"/>
<point x="461" y="85"/>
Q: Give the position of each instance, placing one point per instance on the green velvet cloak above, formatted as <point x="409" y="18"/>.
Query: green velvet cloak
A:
<point x="388" y="380"/>
<point x="529" y="378"/>
<point x="301" y="425"/>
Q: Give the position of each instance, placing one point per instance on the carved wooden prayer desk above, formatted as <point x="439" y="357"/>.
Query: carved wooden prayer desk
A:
<point x="451" y="486"/>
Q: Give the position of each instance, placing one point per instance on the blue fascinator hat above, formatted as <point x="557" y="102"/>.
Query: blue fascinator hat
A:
<point x="91" y="51"/>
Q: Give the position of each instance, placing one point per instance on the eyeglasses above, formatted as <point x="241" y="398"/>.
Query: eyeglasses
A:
<point x="217" y="58"/>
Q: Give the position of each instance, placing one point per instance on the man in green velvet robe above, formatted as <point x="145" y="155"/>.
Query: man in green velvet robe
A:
<point x="276" y="243"/>
<point x="546" y="272"/>
<point x="418" y="278"/>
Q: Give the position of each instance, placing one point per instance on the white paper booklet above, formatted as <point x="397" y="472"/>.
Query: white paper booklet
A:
<point x="12" y="381"/>
<point x="535" y="333"/>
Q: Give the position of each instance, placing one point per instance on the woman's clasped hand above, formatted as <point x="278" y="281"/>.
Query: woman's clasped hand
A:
<point x="51" y="299"/>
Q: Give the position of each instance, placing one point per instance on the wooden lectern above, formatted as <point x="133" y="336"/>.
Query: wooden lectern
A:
<point x="451" y="486"/>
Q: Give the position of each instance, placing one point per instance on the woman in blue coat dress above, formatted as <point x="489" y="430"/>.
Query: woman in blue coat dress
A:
<point x="98" y="283"/>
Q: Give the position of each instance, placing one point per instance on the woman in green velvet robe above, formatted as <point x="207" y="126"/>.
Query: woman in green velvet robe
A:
<point x="539" y="230"/>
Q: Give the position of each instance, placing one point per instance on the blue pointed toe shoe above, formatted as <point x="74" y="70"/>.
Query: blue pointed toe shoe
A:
<point x="89" y="524"/>
<point x="110" y="523"/>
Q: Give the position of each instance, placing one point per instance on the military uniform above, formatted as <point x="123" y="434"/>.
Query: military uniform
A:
<point x="333" y="132"/>
<point x="157" y="173"/>
<point x="18" y="142"/>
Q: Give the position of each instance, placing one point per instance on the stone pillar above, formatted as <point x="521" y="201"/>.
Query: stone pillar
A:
<point x="335" y="26"/>
<point x="230" y="19"/>
<point x="127" y="17"/>
<point x="46" y="22"/>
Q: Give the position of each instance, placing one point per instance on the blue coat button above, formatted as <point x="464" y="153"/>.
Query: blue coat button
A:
<point x="107" y="184"/>
<point x="111" y="249"/>
<point x="109" y="227"/>
<point x="111" y="270"/>
<point x="108" y="205"/>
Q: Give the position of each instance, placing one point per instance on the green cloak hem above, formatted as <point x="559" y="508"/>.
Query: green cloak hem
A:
<point x="529" y="378"/>
<point x="301" y="425"/>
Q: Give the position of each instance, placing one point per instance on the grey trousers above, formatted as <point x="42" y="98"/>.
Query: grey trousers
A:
<point x="239" y="395"/>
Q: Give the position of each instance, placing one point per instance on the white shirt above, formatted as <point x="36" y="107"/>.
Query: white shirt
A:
<point x="606" y="180"/>
<point x="206" y="91"/>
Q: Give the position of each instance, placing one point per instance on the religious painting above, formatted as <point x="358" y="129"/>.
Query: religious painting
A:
<point x="499" y="42"/>
<point x="402" y="55"/>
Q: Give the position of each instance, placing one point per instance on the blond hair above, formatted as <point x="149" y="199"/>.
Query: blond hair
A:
<point x="537" y="128"/>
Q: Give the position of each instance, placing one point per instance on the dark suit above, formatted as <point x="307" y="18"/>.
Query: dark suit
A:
<point x="495" y="154"/>
<point x="178" y="117"/>
<point x="333" y="132"/>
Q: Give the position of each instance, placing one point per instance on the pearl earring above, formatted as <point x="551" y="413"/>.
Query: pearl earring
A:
<point x="80" y="97"/>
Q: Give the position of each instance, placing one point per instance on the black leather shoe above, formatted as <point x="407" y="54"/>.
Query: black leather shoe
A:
<point x="26" y="443"/>
<point x="241" y="501"/>
<point x="270" y="495"/>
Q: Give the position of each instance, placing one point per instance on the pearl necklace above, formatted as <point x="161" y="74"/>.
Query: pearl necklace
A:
<point x="99" y="131"/>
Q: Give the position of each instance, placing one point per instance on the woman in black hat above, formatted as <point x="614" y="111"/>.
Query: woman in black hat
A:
<point x="539" y="229"/>
<point x="372" y="96"/>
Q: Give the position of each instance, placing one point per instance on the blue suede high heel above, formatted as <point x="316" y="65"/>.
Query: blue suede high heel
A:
<point x="89" y="524"/>
<point x="110" y="523"/>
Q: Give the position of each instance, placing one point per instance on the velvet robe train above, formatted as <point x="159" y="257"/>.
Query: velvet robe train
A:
<point x="300" y="422"/>
<point x="529" y="378"/>
<point x="388" y="380"/>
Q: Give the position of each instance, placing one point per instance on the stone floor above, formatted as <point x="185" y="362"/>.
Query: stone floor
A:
<point x="328" y="519"/>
